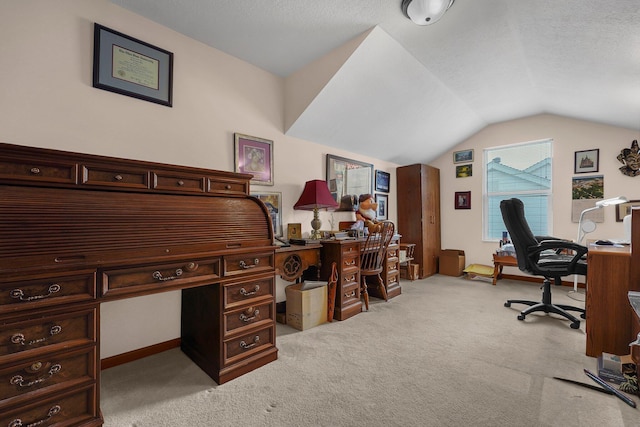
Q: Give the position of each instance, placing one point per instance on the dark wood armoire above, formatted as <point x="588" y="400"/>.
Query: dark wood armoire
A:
<point x="419" y="213"/>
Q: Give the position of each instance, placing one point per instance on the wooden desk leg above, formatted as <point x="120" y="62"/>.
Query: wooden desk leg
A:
<point x="497" y="272"/>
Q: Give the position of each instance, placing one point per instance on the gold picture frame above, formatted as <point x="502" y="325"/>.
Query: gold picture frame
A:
<point x="294" y="231"/>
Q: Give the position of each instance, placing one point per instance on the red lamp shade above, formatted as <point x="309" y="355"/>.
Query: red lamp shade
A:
<point x="315" y="195"/>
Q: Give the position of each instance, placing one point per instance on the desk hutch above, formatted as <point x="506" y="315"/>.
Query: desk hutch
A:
<point x="77" y="230"/>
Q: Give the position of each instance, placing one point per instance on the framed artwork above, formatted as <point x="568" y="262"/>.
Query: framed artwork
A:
<point x="254" y="156"/>
<point x="347" y="179"/>
<point x="383" y="207"/>
<point x="463" y="200"/>
<point x="131" y="67"/>
<point x="294" y="231"/>
<point x="624" y="209"/>
<point x="382" y="181"/>
<point x="464" y="171"/>
<point x="273" y="202"/>
<point x="464" y="156"/>
<point x="586" y="161"/>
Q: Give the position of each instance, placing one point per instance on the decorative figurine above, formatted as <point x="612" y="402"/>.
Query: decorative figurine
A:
<point x="367" y="212"/>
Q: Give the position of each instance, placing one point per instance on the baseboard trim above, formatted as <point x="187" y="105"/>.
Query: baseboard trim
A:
<point x="140" y="353"/>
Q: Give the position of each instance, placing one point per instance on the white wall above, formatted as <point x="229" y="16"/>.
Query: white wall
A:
<point x="462" y="229"/>
<point x="47" y="100"/>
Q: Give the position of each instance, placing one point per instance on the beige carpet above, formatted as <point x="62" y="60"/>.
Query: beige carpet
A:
<point x="444" y="353"/>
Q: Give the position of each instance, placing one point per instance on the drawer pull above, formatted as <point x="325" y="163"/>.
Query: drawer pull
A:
<point x="158" y="276"/>
<point x="252" y="315"/>
<point x="246" y="266"/>
<point x="53" y="411"/>
<point x="35" y="171"/>
<point x="350" y="294"/>
<point x="19" y="381"/>
<point x="244" y="292"/>
<point x="244" y="345"/>
<point x="19" y="293"/>
<point x="19" y="338"/>
<point x="118" y="178"/>
<point x="350" y="263"/>
<point x="227" y="187"/>
<point x="180" y="183"/>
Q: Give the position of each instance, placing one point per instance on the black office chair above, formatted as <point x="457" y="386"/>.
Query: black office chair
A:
<point x="543" y="256"/>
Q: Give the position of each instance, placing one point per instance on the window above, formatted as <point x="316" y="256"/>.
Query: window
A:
<point x="522" y="171"/>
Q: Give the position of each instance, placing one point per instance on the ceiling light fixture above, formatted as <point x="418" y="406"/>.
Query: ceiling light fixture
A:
<point x="425" y="12"/>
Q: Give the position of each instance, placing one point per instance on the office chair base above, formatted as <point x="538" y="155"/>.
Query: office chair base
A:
<point x="548" y="308"/>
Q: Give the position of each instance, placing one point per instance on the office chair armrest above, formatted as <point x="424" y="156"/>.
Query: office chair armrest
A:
<point x="559" y="245"/>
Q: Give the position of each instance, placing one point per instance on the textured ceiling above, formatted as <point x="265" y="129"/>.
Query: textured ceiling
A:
<point x="408" y="93"/>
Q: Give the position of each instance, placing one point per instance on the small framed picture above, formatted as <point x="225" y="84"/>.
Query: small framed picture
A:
<point x="382" y="181"/>
<point x="464" y="171"/>
<point x="383" y="205"/>
<point x="254" y="156"/>
<point x="273" y="202"/>
<point x="294" y="231"/>
<point x="586" y="161"/>
<point x="464" y="156"/>
<point x="463" y="200"/>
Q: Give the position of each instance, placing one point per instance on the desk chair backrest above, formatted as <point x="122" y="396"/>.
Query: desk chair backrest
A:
<point x="521" y="236"/>
<point x="374" y="249"/>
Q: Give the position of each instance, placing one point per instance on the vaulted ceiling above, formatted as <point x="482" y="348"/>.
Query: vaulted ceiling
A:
<point x="406" y="93"/>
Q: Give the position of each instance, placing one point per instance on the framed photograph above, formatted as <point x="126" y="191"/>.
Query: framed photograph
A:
<point x="273" y="202"/>
<point x="383" y="207"/>
<point x="382" y="181"/>
<point x="624" y="209"/>
<point x="464" y="156"/>
<point x="254" y="156"/>
<point x="294" y="231"/>
<point x="586" y="161"/>
<point x="464" y="171"/>
<point x="348" y="179"/>
<point x="131" y="67"/>
<point x="463" y="200"/>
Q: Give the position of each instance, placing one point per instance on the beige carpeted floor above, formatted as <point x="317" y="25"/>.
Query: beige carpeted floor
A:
<point x="444" y="353"/>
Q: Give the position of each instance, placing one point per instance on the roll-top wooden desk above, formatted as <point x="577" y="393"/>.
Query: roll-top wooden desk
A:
<point x="77" y="230"/>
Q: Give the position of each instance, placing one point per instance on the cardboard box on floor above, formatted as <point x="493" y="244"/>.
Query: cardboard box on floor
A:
<point x="451" y="262"/>
<point x="306" y="309"/>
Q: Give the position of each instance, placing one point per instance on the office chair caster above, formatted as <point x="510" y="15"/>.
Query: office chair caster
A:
<point x="575" y="325"/>
<point x="520" y="316"/>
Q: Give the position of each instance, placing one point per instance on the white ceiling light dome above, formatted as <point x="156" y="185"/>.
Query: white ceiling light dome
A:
<point x="425" y="12"/>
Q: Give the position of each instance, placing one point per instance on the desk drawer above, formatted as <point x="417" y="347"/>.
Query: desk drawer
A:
<point x="38" y="171"/>
<point x="228" y="187"/>
<point x="248" y="263"/>
<point x="237" y="321"/>
<point x="247" y="345"/>
<point x="156" y="276"/>
<point x="111" y="177"/>
<point x="53" y="290"/>
<point x="349" y="293"/>
<point x="350" y="251"/>
<point x="64" y="409"/>
<point x="248" y="292"/>
<point x="47" y="371"/>
<point x="64" y="330"/>
<point x="174" y="182"/>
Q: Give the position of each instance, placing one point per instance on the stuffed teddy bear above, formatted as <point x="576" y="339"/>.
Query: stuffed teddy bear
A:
<point x="367" y="212"/>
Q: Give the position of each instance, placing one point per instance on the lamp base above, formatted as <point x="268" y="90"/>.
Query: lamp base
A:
<point x="315" y="225"/>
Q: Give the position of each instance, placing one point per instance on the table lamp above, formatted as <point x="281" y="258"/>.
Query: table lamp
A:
<point x="315" y="196"/>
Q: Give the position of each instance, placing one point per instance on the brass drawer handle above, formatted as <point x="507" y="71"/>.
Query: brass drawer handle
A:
<point x="244" y="345"/>
<point x="350" y="294"/>
<point x="19" y="293"/>
<point x="180" y="183"/>
<point x="20" y="339"/>
<point x="35" y="171"/>
<point x="350" y="263"/>
<point x="252" y="315"/>
<point x="118" y="178"/>
<point x="246" y="266"/>
<point x="227" y="187"/>
<point x="244" y="292"/>
<point x="53" y="411"/>
<point x="19" y="381"/>
<point x="158" y="276"/>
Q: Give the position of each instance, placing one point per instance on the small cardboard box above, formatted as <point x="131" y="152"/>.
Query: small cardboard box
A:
<point x="451" y="262"/>
<point x="306" y="309"/>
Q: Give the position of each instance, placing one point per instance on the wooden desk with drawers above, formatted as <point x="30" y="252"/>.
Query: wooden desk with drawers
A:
<point x="77" y="230"/>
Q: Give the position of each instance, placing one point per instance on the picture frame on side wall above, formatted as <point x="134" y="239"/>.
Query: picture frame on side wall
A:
<point x="624" y="209"/>
<point x="463" y="156"/>
<point x="273" y="201"/>
<point x="254" y="156"/>
<point x="383" y="180"/>
<point x="131" y="67"/>
<point x="464" y="171"/>
<point x="462" y="200"/>
<point x="383" y="207"/>
<point x="586" y="161"/>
